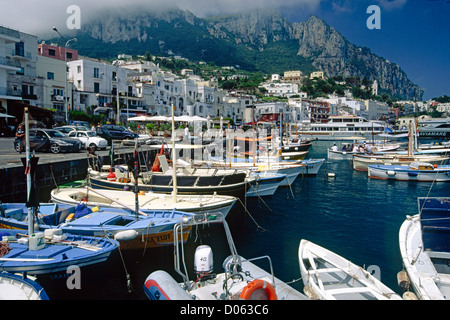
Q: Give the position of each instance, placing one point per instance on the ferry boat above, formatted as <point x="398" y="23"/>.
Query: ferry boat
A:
<point x="342" y="127"/>
<point x="437" y="128"/>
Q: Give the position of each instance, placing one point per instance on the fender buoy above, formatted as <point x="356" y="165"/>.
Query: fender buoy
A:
<point x="258" y="285"/>
<point x="111" y="176"/>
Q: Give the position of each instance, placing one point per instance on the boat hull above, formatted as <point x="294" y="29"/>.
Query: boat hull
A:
<point x="147" y="202"/>
<point x="55" y="258"/>
<point x="404" y="173"/>
<point x="265" y="185"/>
<point x="156" y="231"/>
<point x="237" y="189"/>
<point x="328" y="276"/>
<point x="17" y="287"/>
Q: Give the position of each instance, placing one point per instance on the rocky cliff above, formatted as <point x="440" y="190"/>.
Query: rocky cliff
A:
<point x="261" y="39"/>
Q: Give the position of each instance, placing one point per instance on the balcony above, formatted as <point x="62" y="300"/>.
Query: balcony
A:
<point x="7" y="94"/>
<point x="20" y="55"/>
<point x="8" y="64"/>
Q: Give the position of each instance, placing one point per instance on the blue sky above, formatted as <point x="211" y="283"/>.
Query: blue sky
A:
<point x="414" y="33"/>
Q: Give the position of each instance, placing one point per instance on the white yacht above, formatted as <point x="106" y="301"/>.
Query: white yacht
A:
<point x="343" y="127"/>
<point x="439" y="128"/>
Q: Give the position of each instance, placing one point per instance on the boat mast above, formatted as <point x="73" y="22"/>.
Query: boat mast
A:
<point x="253" y="129"/>
<point x="174" y="158"/>
<point x="28" y="173"/>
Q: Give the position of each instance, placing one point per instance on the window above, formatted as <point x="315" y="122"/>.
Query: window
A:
<point x="78" y="69"/>
<point x="96" y="87"/>
<point x="79" y="84"/>
<point x="20" y="51"/>
<point x="50" y="76"/>
<point x="96" y="73"/>
<point x="69" y="55"/>
<point x="51" y="52"/>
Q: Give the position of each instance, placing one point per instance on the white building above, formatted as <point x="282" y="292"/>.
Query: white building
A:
<point x="8" y="64"/>
<point x="281" y="89"/>
<point x="52" y="73"/>
<point x="95" y="84"/>
<point x="23" y="54"/>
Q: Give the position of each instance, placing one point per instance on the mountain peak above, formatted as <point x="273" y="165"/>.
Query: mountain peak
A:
<point x="256" y="40"/>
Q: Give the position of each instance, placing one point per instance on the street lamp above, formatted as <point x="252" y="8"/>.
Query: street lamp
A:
<point x="65" y="80"/>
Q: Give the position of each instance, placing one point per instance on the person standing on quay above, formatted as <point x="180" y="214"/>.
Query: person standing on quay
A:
<point x="20" y="136"/>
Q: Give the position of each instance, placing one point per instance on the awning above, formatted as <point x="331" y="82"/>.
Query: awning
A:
<point x="4" y="115"/>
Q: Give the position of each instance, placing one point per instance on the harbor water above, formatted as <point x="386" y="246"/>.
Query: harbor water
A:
<point x="350" y="214"/>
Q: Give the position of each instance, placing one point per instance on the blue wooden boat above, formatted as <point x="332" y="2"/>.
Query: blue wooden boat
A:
<point x="20" y="287"/>
<point x="31" y="252"/>
<point x="416" y="171"/>
<point x="146" y="230"/>
<point x="51" y="256"/>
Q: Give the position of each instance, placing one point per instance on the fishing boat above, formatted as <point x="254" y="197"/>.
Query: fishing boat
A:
<point x="328" y="276"/>
<point x="292" y="169"/>
<point x="424" y="246"/>
<point x="411" y="155"/>
<point x="362" y="161"/>
<point x="36" y="255"/>
<point x="148" y="201"/>
<point x="347" y="150"/>
<point x="28" y="251"/>
<point x="20" y="287"/>
<point x="415" y="171"/>
<point x="264" y="184"/>
<point x="147" y="229"/>
<point x="241" y="279"/>
<point x="190" y="181"/>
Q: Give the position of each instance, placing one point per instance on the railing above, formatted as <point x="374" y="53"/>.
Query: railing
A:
<point x="6" y="61"/>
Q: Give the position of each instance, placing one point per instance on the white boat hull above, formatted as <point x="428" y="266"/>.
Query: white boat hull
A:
<point x="328" y="276"/>
<point x="427" y="283"/>
<point x="119" y="199"/>
<point x="265" y="184"/>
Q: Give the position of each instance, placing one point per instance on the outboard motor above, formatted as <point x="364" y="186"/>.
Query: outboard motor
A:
<point x="203" y="261"/>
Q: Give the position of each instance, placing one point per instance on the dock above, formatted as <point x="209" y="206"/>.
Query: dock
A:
<point x="54" y="169"/>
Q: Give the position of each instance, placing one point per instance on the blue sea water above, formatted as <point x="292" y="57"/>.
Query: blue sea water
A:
<point x="352" y="215"/>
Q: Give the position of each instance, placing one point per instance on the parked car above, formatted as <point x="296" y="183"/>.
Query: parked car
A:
<point x="90" y="139"/>
<point x="119" y="132"/>
<point x="66" y="129"/>
<point x="50" y="140"/>
<point x="82" y="124"/>
<point x="104" y="133"/>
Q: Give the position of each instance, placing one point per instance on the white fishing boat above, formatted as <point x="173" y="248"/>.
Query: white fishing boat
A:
<point x="241" y="279"/>
<point x="20" y="287"/>
<point x="425" y="250"/>
<point x="416" y="171"/>
<point x="147" y="201"/>
<point x="347" y="150"/>
<point x="361" y="162"/>
<point x="328" y="276"/>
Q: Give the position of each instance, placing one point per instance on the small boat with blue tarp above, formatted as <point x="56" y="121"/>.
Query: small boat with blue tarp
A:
<point x="133" y="231"/>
